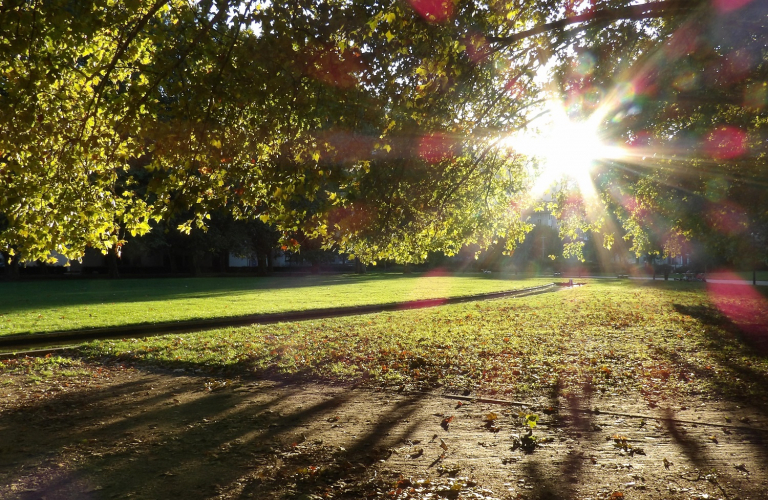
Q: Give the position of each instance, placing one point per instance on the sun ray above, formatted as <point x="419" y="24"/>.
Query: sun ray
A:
<point x="564" y="148"/>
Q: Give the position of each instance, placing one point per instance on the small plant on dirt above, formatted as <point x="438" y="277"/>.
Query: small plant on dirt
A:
<point x="528" y="442"/>
<point x="622" y="443"/>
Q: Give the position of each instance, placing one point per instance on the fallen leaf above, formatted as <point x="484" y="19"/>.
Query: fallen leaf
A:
<point x="446" y="421"/>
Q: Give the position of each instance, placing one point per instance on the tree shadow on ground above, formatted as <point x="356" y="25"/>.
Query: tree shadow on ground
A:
<point x="34" y="308"/>
<point x="567" y="412"/>
<point x="149" y="439"/>
<point x="22" y="296"/>
<point x="730" y="346"/>
<point x="166" y="434"/>
<point x="33" y="295"/>
<point x="752" y="337"/>
<point x="690" y="446"/>
<point x="732" y="353"/>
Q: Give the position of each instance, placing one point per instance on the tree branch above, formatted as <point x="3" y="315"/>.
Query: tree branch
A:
<point x="123" y="47"/>
<point x="630" y="13"/>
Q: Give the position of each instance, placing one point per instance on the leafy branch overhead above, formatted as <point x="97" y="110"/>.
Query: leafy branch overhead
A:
<point x="377" y="127"/>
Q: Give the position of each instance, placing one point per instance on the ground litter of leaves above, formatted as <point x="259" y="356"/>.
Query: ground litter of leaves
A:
<point x="635" y="391"/>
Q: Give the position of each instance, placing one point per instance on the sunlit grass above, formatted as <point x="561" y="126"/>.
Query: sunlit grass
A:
<point x="659" y="338"/>
<point x="65" y="305"/>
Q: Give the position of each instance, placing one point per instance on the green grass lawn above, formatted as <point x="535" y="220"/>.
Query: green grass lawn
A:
<point x="44" y="306"/>
<point x="660" y="338"/>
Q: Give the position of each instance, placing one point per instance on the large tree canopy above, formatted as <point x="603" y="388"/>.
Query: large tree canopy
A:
<point x="376" y="126"/>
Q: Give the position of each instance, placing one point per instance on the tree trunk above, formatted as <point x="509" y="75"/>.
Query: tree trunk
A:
<point x="11" y="266"/>
<point x="271" y="260"/>
<point x="262" y="258"/>
<point x="172" y="262"/>
<point x="197" y="268"/>
<point x="359" y="266"/>
<point x="220" y="261"/>
<point x="112" y="257"/>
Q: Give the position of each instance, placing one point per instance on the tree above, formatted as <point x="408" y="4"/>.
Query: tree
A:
<point x="686" y="108"/>
<point x="373" y="126"/>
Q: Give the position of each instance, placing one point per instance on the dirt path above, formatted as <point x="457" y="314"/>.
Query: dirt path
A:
<point x="118" y="432"/>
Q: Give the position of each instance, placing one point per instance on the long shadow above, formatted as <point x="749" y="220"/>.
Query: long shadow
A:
<point x="753" y="337"/>
<point x="108" y="458"/>
<point x="153" y="445"/>
<point x="738" y="382"/>
<point x="551" y="483"/>
<point x="21" y="296"/>
<point x="728" y="348"/>
<point x="350" y="466"/>
<point x="544" y="485"/>
<point x="692" y="449"/>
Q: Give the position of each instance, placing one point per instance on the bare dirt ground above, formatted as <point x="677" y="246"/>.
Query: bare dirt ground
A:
<point x="121" y="432"/>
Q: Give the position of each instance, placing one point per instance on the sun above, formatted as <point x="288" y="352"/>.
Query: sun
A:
<point x="564" y="148"/>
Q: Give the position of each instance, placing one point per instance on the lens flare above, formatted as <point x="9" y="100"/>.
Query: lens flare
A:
<point x="744" y="307"/>
<point x="565" y="149"/>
